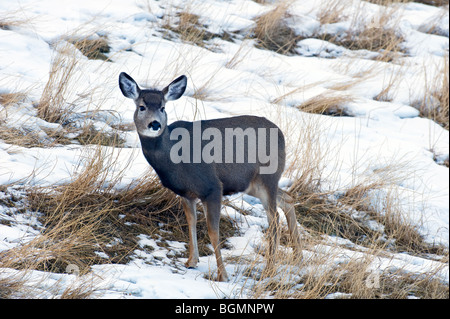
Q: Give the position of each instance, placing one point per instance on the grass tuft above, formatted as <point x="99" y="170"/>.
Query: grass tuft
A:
<point x="379" y="35"/>
<point x="273" y="33"/>
<point x="52" y="106"/>
<point x="188" y="27"/>
<point x="435" y="102"/>
<point x="93" y="49"/>
<point x="332" y="105"/>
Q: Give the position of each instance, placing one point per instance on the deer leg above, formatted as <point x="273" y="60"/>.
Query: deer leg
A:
<point x="191" y="216"/>
<point x="212" y="204"/>
<point x="274" y="226"/>
<point x="286" y="204"/>
<point x="268" y="199"/>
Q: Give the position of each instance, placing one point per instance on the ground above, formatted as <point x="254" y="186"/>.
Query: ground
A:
<point x="359" y="88"/>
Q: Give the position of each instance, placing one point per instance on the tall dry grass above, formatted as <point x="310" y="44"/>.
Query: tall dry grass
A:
<point x="347" y="268"/>
<point x="59" y="99"/>
<point x="368" y="231"/>
<point x="189" y="28"/>
<point x="52" y="106"/>
<point x="92" y="48"/>
<point x="12" y="19"/>
<point x="273" y="33"/>
<point x="329" y="273"/>
<point x="327" y="104"/>
<point x="380" y="34"/>
<point x="13" y="135"/>
<point x="435" y="102"/>
<point x="80" y="220"/>
<point x="91" y="220"/>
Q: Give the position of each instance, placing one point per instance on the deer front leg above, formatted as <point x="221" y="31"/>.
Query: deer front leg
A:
<point x="212" y="205"/>
<point x="191" y="216"/>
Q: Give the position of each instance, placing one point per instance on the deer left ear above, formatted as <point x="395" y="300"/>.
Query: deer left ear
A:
<point x="175" y="89"/>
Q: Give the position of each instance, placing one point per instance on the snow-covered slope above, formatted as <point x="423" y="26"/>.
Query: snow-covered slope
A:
<point x="227" y="75"/>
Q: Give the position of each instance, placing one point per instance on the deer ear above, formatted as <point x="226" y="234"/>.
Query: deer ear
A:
<point x="175" y="89"/>
<point x="128" y="86"/>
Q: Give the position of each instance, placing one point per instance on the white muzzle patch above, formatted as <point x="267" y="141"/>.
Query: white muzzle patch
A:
<point x="150" y="132"/>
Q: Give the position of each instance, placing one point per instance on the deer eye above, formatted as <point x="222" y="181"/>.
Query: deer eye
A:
<point x="141" y="108"/>
<point x="162" y="109"/>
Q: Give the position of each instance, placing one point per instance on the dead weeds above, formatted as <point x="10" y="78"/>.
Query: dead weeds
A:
<point x="273" y="33"/>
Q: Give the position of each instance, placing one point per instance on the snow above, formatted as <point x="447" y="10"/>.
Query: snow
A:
<point x="238" y="79"/>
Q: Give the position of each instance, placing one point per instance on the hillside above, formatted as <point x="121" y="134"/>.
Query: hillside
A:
<point x="359" y="88"/>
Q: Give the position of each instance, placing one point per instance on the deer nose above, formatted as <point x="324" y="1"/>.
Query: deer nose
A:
<point x="155" y="126"/>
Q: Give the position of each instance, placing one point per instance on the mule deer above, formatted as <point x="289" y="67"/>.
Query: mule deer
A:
<point x="196" y="177"/>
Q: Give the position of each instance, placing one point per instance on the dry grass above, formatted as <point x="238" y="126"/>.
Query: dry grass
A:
<point x="77" y="221"/>
<point x="273" y="33"/>
<point x="204" y="92"/>
<point x="10" y="286"/>
<point x="12" y="98"/>
<point x="191" y="30"/>
<point x="390" y="83"/>
<point x="35" y="136"/>
<point x="433" y="25"/>
<point x="435" y="102"/>
<point x="333" y="270"/>
<point x="387" y="42"/>
<point x="239" y="56"/>
<point x="88" y="216"/>
<point x="341" y="269"/>
<point x="332" y="12"/>
<point x="332" y="104"/>
<point x="320" y="277"/>
<point x="188" y="28"/>
<point x="23" y="135"/>
<point x="87" y="135"/>
<point x="351" y="213"/>
<point x="22" y="284"/>
<point x="379" y="35"/>
<point x="13" y="19"/>
<point x="376" y="38"/>
<point x="90" y="135"/>
<point x="60" y="98"/>
<point x="52" y="106"/>
<point x="93" y="49"/>
<point x="327" y="271"/>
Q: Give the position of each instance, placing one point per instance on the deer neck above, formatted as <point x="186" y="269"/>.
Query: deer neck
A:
<point x="156" y="149"/>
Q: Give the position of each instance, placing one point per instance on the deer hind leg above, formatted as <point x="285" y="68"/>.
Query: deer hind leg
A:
<point x="286" y="204"/>
<point x="269" y="200"/>
<point x="191" y="216"/>
<point x="274" y="226"/>
<point x="213" y="204"/>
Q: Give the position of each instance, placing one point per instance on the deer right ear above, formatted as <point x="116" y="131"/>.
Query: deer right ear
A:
<point x="128" y="86"/>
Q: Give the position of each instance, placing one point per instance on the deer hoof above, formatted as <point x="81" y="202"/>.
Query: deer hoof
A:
<point x="191" y="264"/>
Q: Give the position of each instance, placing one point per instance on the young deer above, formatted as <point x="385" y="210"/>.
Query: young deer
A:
<point x="200" y="177"/>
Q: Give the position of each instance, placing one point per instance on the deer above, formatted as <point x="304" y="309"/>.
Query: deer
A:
<point x="209" y="180"/>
